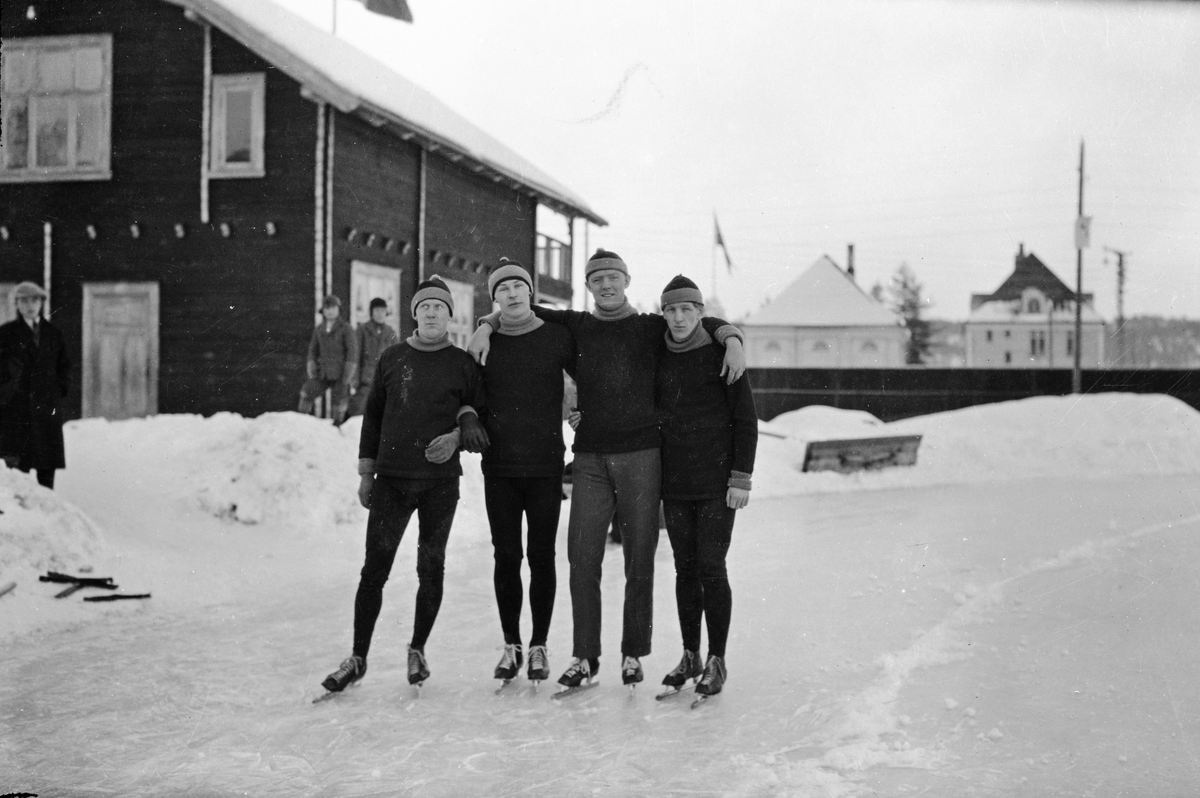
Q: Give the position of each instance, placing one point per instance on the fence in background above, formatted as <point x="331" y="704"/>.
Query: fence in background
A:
<point x="892" y="394"/>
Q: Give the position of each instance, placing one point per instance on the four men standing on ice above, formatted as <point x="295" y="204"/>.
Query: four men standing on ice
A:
<point x="615" y="356"/>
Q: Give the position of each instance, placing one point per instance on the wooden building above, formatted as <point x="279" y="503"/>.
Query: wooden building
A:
<point x="1029" y="322"/>
<point x="824" y="320"/>
<point x="188" y="178"/>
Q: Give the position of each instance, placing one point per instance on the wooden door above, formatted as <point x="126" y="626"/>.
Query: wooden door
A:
<point x="370" y="280"/>
<point x="8" y="307"/>
<point x="120" y="350"/>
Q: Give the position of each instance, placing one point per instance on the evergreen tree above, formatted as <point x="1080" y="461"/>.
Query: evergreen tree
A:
<point x="904" y="291"/>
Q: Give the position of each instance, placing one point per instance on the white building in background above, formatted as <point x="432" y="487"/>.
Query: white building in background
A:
<point x="1029" y="322"/>
<point x="824" y="320"/>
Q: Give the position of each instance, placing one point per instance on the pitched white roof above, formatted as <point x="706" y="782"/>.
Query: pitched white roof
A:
<point x="353" y="82"/>
<point x="823" y="296"/>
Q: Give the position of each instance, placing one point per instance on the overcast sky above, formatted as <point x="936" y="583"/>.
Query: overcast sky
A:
<point x="941" y="134"/>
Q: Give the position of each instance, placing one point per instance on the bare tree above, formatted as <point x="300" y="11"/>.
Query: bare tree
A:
<point x="904" y="293"/>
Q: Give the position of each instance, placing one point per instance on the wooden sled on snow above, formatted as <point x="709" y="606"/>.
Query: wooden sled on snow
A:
<point x="861" y="454"/>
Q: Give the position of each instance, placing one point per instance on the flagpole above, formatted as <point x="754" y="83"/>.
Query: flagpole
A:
<point x="713" y="248"/>
<point x="1076" y="375"/>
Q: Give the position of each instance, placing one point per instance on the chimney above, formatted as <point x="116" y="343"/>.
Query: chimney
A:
<point x="1020" y="251"/>
<point x="850" y="260"/>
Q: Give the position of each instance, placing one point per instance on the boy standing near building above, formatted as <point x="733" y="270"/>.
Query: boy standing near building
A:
<point x="424" y="402"/>
<point x="374" y="336"/>
<point x="332" y="361"/>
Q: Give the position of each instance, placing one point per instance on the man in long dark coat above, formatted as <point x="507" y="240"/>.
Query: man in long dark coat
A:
<point x="34" y="377"/>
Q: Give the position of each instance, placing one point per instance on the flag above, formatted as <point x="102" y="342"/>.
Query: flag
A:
<point x="396" y="9"/>
<point x="1083" y="232"/>
<point x="718" y="241"/>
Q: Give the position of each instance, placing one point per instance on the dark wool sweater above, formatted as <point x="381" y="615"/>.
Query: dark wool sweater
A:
<point x="524" y="383"/>
<point x="614" y="374"/>
<point x="414" y="398"/>
<point x="709" y="429"/>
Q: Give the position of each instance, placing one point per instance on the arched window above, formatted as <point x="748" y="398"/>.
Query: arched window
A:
<point x="1034" y="306"/>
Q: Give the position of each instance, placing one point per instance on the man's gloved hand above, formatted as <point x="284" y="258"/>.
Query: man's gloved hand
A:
<point x="474" y="436"/>
<point x="442" y="448"/>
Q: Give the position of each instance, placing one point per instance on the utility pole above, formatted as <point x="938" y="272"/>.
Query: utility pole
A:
<point x="1121" y="256"/>
<point x="1076" y="374"/>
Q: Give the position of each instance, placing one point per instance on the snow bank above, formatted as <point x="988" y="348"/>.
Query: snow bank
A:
<point x="39" y="530"/>
<point x="1085" y="437"/>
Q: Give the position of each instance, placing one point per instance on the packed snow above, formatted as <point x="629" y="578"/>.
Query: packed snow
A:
<point x="1013" y="615"/>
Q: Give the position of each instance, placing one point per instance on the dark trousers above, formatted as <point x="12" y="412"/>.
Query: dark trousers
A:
<point x="700" y="532"/>
<point x="627" y="484"/>
<point x="45" y="476"/>
<point x="393" y="502"/>
<point x="539" y="501"/>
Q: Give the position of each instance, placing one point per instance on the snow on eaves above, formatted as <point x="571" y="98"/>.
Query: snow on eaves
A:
<point x="353" y="82"/>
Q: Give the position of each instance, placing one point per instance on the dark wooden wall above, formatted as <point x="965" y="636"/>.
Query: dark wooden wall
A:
<point x="891" y="394"/>
<point x="235" y="313"/>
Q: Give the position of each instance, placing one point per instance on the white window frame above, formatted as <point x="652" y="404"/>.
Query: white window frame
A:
<point x="218" y="167"/>
<point x="102" y="169"/>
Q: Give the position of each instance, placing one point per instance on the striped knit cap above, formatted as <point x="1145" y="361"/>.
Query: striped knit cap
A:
<point x="508" y="270"/>
<point x="433" y="288"/>
<point x="680" y="289"/>
<point x="603" y="259"/>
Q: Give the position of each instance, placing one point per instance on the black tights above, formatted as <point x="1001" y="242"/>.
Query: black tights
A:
<point x="700" y="532"/>
<point x="538" y="499"/>
<point x="393" y="502"/>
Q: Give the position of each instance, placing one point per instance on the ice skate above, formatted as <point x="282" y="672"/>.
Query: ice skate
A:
<point x="350" y="671"/>
<point x="510" y="662"/>
<point x="418" y="669"/>
<point x="712" y="681"/>
<point x="689" y="667"/>
<point x="631" y="671"/>
<point x="539" y="665"/>
<point x="578" y="677"/>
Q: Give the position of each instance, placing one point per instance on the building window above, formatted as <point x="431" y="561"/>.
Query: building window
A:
<point x="1008" y="333"/>
<point x="1037" y="343"/>
<point x="989" y="336"/>
<point x="236" y="147"/>
<point x="1070" y="343"/>
<point x="56" y="98"/>
<point x="820" y="346"/>
<point x="869" y="346"/>
<point x="1008" y="357"/>
<point x="1034" y="306"/>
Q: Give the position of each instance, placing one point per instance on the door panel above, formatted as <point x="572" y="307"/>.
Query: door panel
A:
<point x="370" y="280"/>
<point x="120" y="350"/>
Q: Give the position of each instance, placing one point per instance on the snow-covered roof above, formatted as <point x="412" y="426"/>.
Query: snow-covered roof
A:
<point x="1001" y="312"/>
<point x="823" y="296"/>
<point x="353" y="82"/>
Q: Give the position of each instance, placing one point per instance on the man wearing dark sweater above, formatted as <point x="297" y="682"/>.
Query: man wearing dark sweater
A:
<point x="617" y="464"/>
<point x="424" y="401"/>
<point x="523" y="466"/>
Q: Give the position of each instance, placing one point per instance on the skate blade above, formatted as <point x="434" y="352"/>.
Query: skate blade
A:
<point x="332" y="694"/>
<point x="504" y="685"/>
<point x="570" y="691"/>
<point x="672" y="692"/>
<point x="700" y="700"/>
